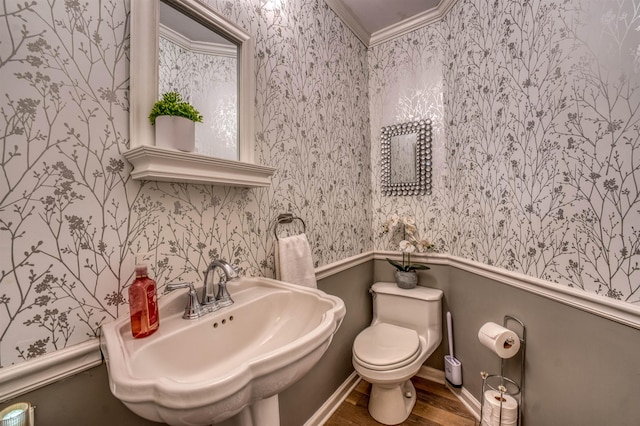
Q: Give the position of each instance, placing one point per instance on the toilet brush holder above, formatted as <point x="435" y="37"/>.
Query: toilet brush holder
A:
<point x="453" y="370"/>
<point x="452" y="367"/>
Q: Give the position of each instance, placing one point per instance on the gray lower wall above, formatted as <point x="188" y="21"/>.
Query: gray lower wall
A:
<point x="82" y="399"/>
<point x="581" y="369"/>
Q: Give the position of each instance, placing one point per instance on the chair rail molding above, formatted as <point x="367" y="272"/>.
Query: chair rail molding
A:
<point x="30" y="375"/>
<point x="606" y="307"/>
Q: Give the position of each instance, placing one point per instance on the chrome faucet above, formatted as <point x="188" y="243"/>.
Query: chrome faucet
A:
<point x="210" y="302"/>
<point x="208" y="294"/>
<point x="194" y="308"/>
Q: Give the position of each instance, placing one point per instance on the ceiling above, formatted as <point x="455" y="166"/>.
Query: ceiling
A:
<point x="375" y="21"/>
<point x="372" y="21"/>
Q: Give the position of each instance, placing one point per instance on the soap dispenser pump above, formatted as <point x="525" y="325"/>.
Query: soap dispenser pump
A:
<point x="143" y="304"/>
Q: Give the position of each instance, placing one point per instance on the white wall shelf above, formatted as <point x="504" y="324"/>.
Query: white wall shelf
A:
<point x="160" y="164"/>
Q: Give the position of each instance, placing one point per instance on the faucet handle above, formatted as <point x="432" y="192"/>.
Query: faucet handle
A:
<point x="236" y="272"/>
<point x="223" y="297"/>
<point x="175" y="286"/>
<point x="194" y="308"/>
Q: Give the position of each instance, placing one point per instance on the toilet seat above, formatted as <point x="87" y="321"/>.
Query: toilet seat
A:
<point x="386" y="347"/>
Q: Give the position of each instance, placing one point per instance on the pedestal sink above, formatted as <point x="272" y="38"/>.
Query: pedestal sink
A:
<point x="232" y="362"/>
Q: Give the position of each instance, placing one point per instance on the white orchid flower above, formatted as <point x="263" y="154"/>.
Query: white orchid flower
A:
<point x="391" y="223"/>
<point x="407" y="246"/>
<point x="408" y="220"/>
<point x="423" y="245"/>
<point x="410" y="229"/>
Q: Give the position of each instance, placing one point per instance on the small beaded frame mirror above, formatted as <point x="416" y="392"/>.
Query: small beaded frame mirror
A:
<point x="406" y="158"/>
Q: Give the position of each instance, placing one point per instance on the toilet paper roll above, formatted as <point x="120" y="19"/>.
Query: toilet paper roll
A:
<point x="491" y="409"/>
<point x="19" y="414"/>
<point x="502" y="341"/>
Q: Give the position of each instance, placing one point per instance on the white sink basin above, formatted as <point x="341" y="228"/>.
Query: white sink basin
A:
<point x="203" y="371"/>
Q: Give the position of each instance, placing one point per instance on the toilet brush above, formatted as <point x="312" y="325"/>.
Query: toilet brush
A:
<point x="452" y="367"/>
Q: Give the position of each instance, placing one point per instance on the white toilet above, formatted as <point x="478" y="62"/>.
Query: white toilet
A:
<point x="406" y="329"/>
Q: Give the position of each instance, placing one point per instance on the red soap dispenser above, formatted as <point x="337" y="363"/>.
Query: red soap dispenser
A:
<point x="143" y="304"/>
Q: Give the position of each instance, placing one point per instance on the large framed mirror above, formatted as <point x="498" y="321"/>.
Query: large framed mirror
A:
<point x="406" y="158"/>
<point x="233" y="167"/>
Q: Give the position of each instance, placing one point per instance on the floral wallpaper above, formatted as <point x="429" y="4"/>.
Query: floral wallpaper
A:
<point x="72" y="220"/>
<point x="209" y="81"/>
<point x="535" y="110"/>
<point x="538" y="108"/>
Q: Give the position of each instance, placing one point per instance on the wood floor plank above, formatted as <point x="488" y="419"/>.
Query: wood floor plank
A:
<point x="433" y="387"/>
<point x="436" y="405"/>
<point x="440" y="416"/>
<point x="353" y="397"/>
<point x="444" y="404"/>
<point x="348" y="414"/>
<point x="363" y="387"/>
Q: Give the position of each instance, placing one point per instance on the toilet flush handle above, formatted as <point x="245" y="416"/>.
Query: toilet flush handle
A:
<point x="372" y="293"/>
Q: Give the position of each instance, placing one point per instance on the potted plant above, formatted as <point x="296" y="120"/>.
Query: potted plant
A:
<point x="175" y="122"/>
<point x="405" y="274"/>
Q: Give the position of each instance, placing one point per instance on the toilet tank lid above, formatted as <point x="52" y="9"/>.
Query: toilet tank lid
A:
<point x="419" y="292"/>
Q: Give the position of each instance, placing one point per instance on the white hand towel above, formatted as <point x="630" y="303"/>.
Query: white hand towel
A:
<point x="293" y="261"/>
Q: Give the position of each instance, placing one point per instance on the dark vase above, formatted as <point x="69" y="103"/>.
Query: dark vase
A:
<point x="406" y="280"/>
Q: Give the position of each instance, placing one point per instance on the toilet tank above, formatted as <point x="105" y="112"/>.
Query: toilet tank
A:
<point x="418" y="308"/>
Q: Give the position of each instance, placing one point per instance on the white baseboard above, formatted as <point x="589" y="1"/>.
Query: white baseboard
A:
<point x="431" y="374"/>
<point x="468" y="400"/>
<point x="321" y="416"/>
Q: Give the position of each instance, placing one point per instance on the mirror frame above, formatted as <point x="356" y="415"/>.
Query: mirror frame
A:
<point x="423" y="158"/>
<point x="153" y="163"/>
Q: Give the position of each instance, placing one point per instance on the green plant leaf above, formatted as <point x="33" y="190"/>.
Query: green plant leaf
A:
<point x="172" y="104"/>
<point x="421" y="266"/>
<point x="398" y="265"/>
<point x="410" y="267"/>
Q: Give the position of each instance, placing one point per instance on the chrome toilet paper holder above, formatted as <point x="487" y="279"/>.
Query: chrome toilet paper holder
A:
<point x="502" y="384"/>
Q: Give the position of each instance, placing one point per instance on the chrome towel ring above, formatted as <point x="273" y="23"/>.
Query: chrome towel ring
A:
<point x="287" y="218"/>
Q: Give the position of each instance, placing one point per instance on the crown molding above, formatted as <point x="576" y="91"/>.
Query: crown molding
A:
<point x="411" y="24"/>
<point x="389" y="33"/>
<point x="349" y="19"/>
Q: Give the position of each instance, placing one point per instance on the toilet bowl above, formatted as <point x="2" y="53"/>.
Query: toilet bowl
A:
<point x="405" y="330"/>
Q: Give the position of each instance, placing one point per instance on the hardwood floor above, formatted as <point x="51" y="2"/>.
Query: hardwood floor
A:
<point x="435" y="406"/>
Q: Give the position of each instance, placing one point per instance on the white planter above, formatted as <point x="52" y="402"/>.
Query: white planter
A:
<point x="175" y="133"/>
